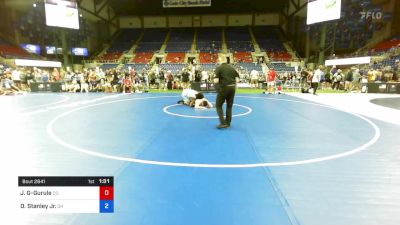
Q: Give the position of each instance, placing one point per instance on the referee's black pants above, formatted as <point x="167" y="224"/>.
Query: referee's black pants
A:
<point x="225" y="93"/>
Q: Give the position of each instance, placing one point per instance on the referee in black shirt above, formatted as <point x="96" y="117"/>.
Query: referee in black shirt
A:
<point x="226" y="77"/>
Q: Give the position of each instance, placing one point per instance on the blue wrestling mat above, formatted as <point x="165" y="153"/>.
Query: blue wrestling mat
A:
<point x="283" y="161"/>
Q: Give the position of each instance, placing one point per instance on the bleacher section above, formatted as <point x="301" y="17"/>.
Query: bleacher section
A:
<point x="109" y="56"/>
<point x="180" y="40"/>
<point x="107" y="66"/>
<point x="281" y="67"/>
<point x="352" y="31"/>
<point x="208" y="66"/>
<point x="175" y="57"/>
<point x="242" y="57"/>
<point x="208" y="43"/>
<point x="143" y="57"/>
<point x="387" y="45"/>
<point x="125" y="40"/>
<point x="152" y="40"/>
<point x="209" y="40"/>
<point x="208" y="57"/>
<point x="248" y="67"/>
<point x="175" y="68"/>
<point x="387" y="62"/>
<point x="280" y="56"/>
<point x="123" y="43"/>
<point x="137" y="66"/>
<point x="348" y="38"/>
<point x="241" y="67"/>
<point x="238" y="39"/>
<point x="8" y="50"/>
<point x="269" y="41"/>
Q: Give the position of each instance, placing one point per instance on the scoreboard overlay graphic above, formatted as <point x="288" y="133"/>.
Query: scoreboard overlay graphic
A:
<point x="66" y="194"/>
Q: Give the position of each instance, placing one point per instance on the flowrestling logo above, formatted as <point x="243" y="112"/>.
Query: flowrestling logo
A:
<point x="371" y="15"/>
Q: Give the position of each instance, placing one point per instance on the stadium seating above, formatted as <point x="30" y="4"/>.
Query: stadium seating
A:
<point x="175" y="68"/>
<point x="8" y="50"/>
<point x="269" y="41"/>
<point x="111" y="56"/>
<point x="122" y="43"/>
<point x="391" y="61"/>
<point x="280" y="56"/>
<point x="347" y="36"/>
<point x="208" y="66"/>
<point x="149" y="47"/>
<point x="281" y="67"/>
<point x="143" y="57"/>
<point x="248" y="67"/>
<point x="176" y="57"/>
<point x="387" y="45"/>
<point x="242" y="57"/>
<point x="152" y="40"/>
<point x="353" y="31"/>
<point x="238" y="39"/>
<point x="180" y="40"/>
<point x="208" y="57"/>
<point x="178" y="47"/>
<point x="107" y="66"/>
<point x="137" y="66"/>
<point x="209" y="40"/>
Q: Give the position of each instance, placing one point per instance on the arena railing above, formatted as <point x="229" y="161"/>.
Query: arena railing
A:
<point x="100" y="61"/>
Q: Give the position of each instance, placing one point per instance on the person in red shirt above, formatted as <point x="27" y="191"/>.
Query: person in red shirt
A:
<point x="127" y="84"/>
<point x="271" y="77"/>
<point x="56" y="75"/>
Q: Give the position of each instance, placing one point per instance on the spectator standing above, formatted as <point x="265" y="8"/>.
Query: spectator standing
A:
<point x="316" y="79"/>
<point x="328" y="80"/>
<point x="161" y="77"/>
<point x="303" y="78"/>
<point x="204" y="76"/>
<point x="185" y="78"/>
<point x="348" y="81"/>
<point x="169" y="79"/>
<point x="254" y="78"/>
<point x="146" y="80"/>
<point x="271" y="77"/>
<point x="337" y="78"/>
<point x="356" y="80"/>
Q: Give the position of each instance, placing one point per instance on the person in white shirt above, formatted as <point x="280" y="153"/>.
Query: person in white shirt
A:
<point x="316" y="79"/>
<point x="204" y="76"/>
<point x="16" y="77"/>
<point x="194" y="99"/>
<point x="188" y="96"/>
<point x="202" y="104"/>
<point x="254" y="78"/>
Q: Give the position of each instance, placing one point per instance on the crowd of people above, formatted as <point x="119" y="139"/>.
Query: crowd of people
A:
<point x="350" y="79"/>
<point x="127" y="80"/>
<point x="130" y="80"/>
